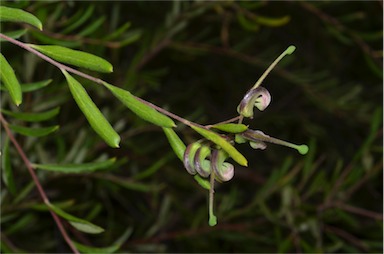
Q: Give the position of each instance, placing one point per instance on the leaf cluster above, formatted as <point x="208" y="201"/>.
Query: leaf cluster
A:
<point x="196" y="59"/>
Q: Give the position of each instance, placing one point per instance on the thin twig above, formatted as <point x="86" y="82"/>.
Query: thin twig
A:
<point x="224" y="122"/>
<point x="359" y="211"/>
<point x="40" y="189"/>
<point x="347" y="236"/>
<point x="326" y="18"/>
<point x="96" y="80"/>
<point x="50" y="60"/>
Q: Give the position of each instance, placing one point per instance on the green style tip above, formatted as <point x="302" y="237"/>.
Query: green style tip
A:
<point x="303" y="149"/>
<point x="212" y="220"/>
<point x="290" y="50"/>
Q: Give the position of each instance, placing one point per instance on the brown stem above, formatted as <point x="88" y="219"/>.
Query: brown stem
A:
<point x="40" y="189"/>
<point x="96" y="80"/>
<point x="224" y="122"/>
<point x="353" y="240"/>
<point x="50" y="60"/>
<point x="359" y="211"/>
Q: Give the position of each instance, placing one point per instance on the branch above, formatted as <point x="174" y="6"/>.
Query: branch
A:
<point x="40" y="189"/>
<point x="96" y="80"/>
<point x="50" y="60"/>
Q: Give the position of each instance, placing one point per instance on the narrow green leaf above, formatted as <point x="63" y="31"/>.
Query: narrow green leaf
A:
<point x="88" y="249"/>
<point x="118" y="32"/>
<point x="176" y="143"/>
<point x="33" y="117"/>
<point x="77" y="168"/>
<point x="78" y="19"/>
<point x="80" y="224"/>
<point x="53" y="41"/>
<point x="247" y="24"/>
<point x="87" y="227"/>
<point x="29" y="87"/>
<point x="92" y="27"/>
<point x="131" y="37"/>
<point x="142" y="110"/>
<point x="61" y="205"/>
<point x="153" y="168"/>
<point x="20" y="224"/>
<point x="8" y="77"/>
<point x="231" y="127"/>
<point x="202" y="182"/>
<point x="75" y="57"/>
<point x="24" y="192"/>
<point x="95" y="118"/>
<point x="17" y="15"/>
<point x="33" y="132"/>
<point x="218" y="140"/>
<point x="14" y="34"/>
<point x="273" y="22"/>
<point x="7" y="172"/>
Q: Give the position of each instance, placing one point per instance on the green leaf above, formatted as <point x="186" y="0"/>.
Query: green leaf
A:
<point x="176" y="143"/>
<point x="33" y="117"/>
<point x="17" y="15"/>
<point x="118" y="32"/>
<point x="89" y="249"/>
<point x="77" y="168"/>
<point x="231" y="127"/>
<point x="49" y="40"/>
<point x="29" y="87"/>
<point x="272" y="22"/>
<point x="80" y="224"/>
<point x="93" y="27"/>
<point x="139" y="108"/>
<point x="7" y="172"/>
<point x="78" y="19"/>
<point x="218" y="140"/>
<point x="202" y="182"/>
<point x="33" y="132"/>
<point x="61" y="205"/>
<point x="75" y="57"/>
<point x="131" y="37"/>
<point x="21" y="223"/>
<point x="14" y="34"/>
<point x="8" y="77"/>
<point x="247" y="24"/>
<point x="95" y="118"/>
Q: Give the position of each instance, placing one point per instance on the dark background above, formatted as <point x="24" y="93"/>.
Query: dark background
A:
<point x="197" y="59"/>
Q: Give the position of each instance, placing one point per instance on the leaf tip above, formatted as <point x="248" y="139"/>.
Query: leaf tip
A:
<point x="116" y="144"/>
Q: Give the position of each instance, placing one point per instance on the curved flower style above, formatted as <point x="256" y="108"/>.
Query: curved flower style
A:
<point x="256" y="97"/>
<point x="196" y="160"/>
<point x="257" y="140"/>
<point x="224" y="171"/>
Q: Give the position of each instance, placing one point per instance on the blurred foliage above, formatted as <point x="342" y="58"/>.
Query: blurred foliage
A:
<point x="197" y="59"/>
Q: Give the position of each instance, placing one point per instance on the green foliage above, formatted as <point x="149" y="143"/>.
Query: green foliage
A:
<point x="176" y="143"/>
<point x="195" y="59"/>
<point x="17" y="15"/>
<point x="221" y="142"/>
<point x="231" y="127"/>
<point x="80" y="224"/>
<point x="75" y="57"/>
<point x="77" y="168"/>
<point x="10" y="81"/>
<point x="91" y="112"/>
<point x="139" y="108"/>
